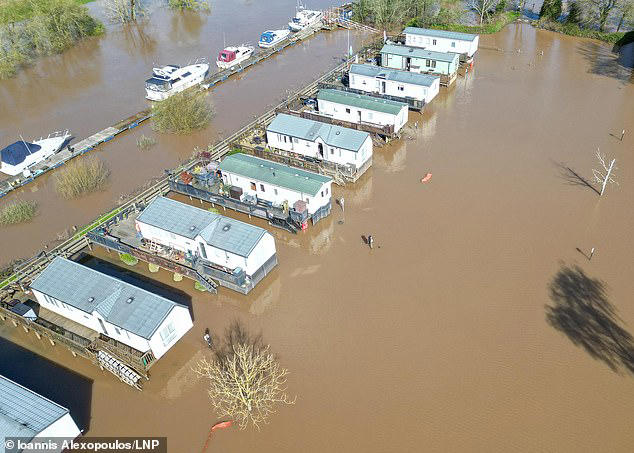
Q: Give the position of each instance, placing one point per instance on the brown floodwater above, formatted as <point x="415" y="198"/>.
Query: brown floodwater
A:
<point x="438" y="338"/>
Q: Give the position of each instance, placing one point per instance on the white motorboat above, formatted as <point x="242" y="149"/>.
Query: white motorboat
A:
<point x="232" y="56"/>
<point x="304" y="18"/>
<point x="19" y="156"/>
<point x="271" y="37"/>
<point x="172" y="79"/>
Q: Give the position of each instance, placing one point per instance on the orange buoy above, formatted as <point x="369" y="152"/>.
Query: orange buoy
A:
<point x="426" y="178"/>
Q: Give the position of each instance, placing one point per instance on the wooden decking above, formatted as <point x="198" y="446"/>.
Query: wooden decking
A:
<point x="67" y="324"/>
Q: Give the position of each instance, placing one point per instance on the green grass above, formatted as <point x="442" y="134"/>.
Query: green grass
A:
<point x="575" y="30"/>
<point x="199" y="287"/>
<point x="234" y="150"/>
<point x="17" y="212"/>
<point x="103" y="219"/>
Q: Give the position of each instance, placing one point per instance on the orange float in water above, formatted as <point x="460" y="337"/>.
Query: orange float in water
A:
<point x="222" y="425"/>
<point x="426" y="178"/>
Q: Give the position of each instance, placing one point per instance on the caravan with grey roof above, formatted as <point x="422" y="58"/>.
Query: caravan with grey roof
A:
<point x="29" y="415"/>
<point x="442" y="41"/>
<point x="131" y="315"/>
<point x="336" y="144"/>
<point x="392" y="82"/>
<point x="219" y="242"/>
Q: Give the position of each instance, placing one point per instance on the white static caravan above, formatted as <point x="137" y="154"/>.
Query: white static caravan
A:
<point x="131" y="315"/>
<point x="29" y="415"/>
<point x="359" y="108"/>
<point x="442" y="41"/>
<point x="375" y="79"/>
<point x="277" y="183"/>
<point x="218" y="240"/>
<point x="322" y="141"/>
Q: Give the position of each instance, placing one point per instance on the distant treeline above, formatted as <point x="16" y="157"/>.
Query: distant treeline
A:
<point x="32" y="28"/>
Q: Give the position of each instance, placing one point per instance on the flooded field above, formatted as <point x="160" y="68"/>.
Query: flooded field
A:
<point x="467" y="328"/>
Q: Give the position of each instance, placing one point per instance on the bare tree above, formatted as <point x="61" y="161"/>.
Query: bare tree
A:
<point x="601" y="9"/>
<point x="245" y="380"/>
<point x="604" y="176"/>
<point x="626" y="13"/>
<point x="122" y="11"/>
<point x="482" y="7"/>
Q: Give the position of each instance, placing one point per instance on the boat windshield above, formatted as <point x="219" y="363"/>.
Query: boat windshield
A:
<point x="157" y="84"/>
<point x="267" y="37"/>
<point x="295" y="20"/>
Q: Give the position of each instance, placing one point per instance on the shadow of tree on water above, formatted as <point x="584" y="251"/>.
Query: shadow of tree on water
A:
<point x="573" y="178"/>
<point x="581" y="310"/>
<point x="602" y="61"/>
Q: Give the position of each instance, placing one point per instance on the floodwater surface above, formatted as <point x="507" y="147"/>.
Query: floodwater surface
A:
<point x="468" y="326"/>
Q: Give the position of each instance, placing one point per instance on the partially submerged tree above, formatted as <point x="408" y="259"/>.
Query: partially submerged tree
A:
<point x="604" y="175"/>
<point x="245" y="380"/>
<point x="122" y="11"/>
<point x="192" y="5"/>
<point x="181" y="113"/>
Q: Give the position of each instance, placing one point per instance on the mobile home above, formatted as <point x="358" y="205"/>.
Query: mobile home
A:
<point x="131" y="315"/>
<point x="28" y="415"/>
<point x="374" y="79"/>
<point x="277" y="184"/>
<point x="321" y="141"/>
<point x="359" y="108"/>
<point x="464" y="44"/>
<point x="217" y="240"/>
<point x="419" y="60"/>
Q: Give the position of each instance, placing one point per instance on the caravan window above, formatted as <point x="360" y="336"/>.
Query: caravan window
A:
<point x="253" y="186"/>
<point x="453" y="43"/>
<point x="168" y="333"/>
<point x="401" y="88"/>
<point x="434" y="42"/>
<point x="262" y="187"/>
<point x="347" y="110"/>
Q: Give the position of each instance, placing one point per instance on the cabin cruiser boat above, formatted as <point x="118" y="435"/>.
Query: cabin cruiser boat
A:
<point x="232" y="56"/>
<point x="19" y="156"/>
<point x="172" y="79"/>
<point x="304" y="18"/>
<point x="271" y="37"/>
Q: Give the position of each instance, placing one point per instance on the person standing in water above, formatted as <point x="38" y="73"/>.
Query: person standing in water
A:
<point x="370" y="241"/>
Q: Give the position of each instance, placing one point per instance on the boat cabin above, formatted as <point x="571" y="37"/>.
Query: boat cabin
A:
<point x="18" y="156"/>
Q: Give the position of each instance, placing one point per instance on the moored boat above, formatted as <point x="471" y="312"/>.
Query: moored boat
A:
<point x="304" y="18"/>
<point x="19" y="156"/>
<point x="271" y="37"/>
<point x="234" y="55"/>
<point x="172" y="79"/>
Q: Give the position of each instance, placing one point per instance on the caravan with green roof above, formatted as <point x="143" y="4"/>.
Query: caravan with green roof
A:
<point x="362" y="109"/>
<point x="278" y="184"/>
